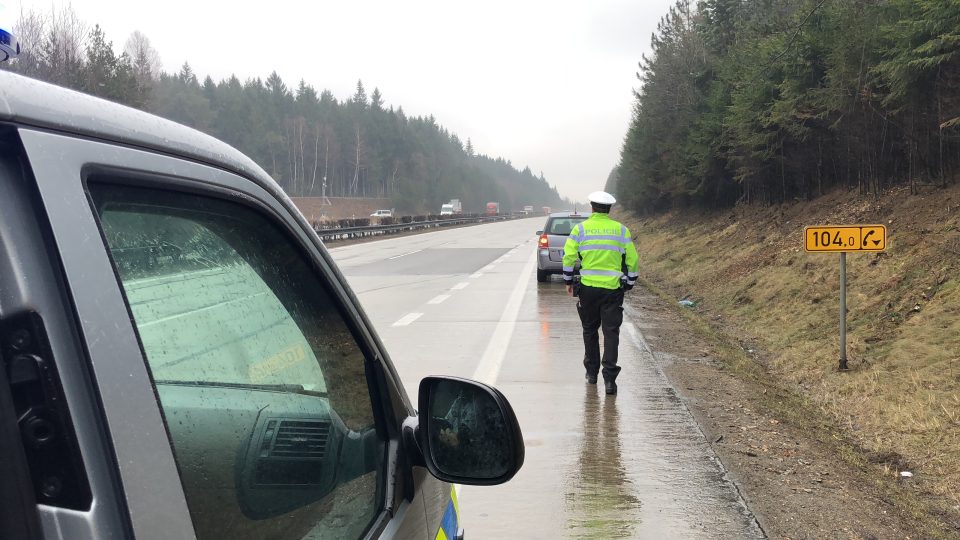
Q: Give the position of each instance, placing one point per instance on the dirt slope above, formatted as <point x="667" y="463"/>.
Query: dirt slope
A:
<point x="899" y="405"/>
<point x="784" y="464"/>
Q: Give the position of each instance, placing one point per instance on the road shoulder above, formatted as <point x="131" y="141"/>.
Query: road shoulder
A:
<point x="791" y="478"/>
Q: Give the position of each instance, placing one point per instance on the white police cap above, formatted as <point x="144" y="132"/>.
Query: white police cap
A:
<point x="601" y="197"/>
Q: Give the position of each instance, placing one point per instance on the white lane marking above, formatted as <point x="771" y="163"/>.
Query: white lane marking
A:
<point x="459" y="286"/>
<point x="638" y="340"/>
<point x="476" y="275"/>
<point x="404" y="255"/>
<point x="166" y="278"/>
<point x="492" y="360"/>
<point x="420" y="236"/>
<point x="201" y="310"/>
<point x="438" y="299"/>
<point x="487" y="268"/>
<point x="407" y="319"/>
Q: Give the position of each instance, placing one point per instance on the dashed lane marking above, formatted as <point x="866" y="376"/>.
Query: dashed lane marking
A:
<point x="459" y="286"/>
<point x="438" y="299"/>
<point x="476" y="275"/>
<point x="404" y="255"/>
<point x="407" y="319"/>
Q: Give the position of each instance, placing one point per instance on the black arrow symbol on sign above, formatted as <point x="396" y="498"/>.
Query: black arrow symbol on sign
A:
<point x="868" y="235"/>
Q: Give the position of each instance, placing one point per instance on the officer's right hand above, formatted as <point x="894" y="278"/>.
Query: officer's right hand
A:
<point x="570" y="290"/>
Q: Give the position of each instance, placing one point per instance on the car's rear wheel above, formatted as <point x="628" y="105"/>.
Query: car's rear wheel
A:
<point x="542" y="275"/>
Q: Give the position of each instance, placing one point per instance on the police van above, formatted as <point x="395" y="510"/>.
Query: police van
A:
<point x="181" y="357"/>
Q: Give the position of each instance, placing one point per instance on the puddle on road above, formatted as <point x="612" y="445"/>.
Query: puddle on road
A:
<point x="635" y="465"/>
<point x="642" y="467"/>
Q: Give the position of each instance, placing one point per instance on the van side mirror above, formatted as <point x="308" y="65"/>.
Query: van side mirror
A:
<point x="468" y="433"/>
<point x="539" y="233"/>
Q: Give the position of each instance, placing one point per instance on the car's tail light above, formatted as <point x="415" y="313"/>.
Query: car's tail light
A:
<point x="544" y="241"/>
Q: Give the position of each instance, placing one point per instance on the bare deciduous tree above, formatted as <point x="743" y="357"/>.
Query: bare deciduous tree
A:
<point x="62" y="48"/>
<point x="30" y="29"/>
<point x="145" y="61"/>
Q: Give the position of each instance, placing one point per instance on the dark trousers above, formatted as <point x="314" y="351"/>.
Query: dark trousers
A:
<point x="601" y="308"/>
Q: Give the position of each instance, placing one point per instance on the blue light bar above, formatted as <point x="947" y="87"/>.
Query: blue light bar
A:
<point x="9" y="45"/>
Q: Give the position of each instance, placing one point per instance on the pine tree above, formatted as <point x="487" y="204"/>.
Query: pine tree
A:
<point x="101" y="64"/>
<point x="360" y="97"/>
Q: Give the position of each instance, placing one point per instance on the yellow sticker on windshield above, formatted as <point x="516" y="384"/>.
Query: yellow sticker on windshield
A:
<point x="262" y="372"/>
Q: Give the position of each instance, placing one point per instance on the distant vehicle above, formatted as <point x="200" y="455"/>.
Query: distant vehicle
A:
<point x="527" y="210"/>
<point x="493" y="208"/>
<point x="457" y="207"/>
<point x="552" y="238"/>
<point x="186" y="360"/>
<point x="382" y="213"/>
<point x="446" y="210"/>
<point x="546" y="210"/>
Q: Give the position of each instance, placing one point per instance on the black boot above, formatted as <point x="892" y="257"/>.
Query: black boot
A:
<point x="611" y="387"/>
<point x="592" y="379"/>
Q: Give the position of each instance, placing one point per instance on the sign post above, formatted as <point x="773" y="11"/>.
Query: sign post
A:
<point x="843" y="311"/>
<point x="844" y="239"/>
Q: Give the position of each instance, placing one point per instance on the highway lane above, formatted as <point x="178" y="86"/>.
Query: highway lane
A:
<point x="465" y="302"/>
<point x="433" y="298"/>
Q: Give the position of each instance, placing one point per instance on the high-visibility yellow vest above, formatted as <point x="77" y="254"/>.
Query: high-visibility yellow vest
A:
<point x="604" y="248"/>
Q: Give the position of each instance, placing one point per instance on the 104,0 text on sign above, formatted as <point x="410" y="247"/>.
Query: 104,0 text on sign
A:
<point x="845" y="238"/>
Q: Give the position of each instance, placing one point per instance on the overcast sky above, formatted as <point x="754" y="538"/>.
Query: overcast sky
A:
<point x="544" y="83"/>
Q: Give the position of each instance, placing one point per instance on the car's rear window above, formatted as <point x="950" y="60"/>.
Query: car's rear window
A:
<point x="563" y="225"/>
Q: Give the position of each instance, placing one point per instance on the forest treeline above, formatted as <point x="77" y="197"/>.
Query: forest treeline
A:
<point x="310" y="142"/>
<point x="767" y="101"/>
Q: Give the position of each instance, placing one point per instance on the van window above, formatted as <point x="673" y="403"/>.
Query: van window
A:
<point x="260" y="380"/>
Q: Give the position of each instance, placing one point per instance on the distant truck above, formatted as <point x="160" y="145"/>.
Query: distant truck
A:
<point x="546" y="210"/>
<point x="528" y="209"/>
<point x="451" y="208"/>
<point x="493" y="208"/>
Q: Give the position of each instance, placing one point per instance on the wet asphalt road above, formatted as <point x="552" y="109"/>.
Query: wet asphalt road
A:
<point x="466" y="302"/>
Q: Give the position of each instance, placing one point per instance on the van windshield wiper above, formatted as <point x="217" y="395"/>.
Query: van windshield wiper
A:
<point x="287" y="388"/>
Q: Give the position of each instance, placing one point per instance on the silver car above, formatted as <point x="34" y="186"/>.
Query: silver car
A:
<point x="552" y="238"/>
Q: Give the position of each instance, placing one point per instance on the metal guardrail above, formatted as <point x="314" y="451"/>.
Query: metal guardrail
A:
<point x="348" y="233"/>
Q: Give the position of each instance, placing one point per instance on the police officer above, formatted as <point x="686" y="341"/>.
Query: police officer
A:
<point x="608" y="267"/>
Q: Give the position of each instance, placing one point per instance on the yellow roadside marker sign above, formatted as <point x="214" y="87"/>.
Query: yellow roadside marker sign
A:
<point x="845" y="238"/>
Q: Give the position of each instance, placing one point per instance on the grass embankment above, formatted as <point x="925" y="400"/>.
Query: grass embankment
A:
<point x="899" y="405"/>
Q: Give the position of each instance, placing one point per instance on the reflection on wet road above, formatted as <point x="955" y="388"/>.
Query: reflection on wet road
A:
<point x="600" y="497"/>
<point x="631" y="466"/>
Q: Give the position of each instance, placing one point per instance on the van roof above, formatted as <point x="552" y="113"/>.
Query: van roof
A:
<point x="34" y="103"/>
